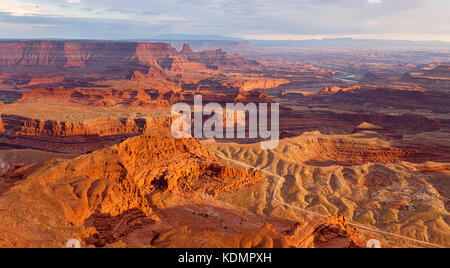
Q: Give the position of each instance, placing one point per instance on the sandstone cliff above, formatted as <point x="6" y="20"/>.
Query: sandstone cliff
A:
<point x="153" y="73"/>
<point x="216" y="59"/>
<point x="104" y="54"/>
<point x="75" y="137"/>
<point x="334" y="90"/>
<point x="260" y="83"/>
<point x="180" y="65"/>
<point x="80" y="54"/>
<point x="96" y="97"/>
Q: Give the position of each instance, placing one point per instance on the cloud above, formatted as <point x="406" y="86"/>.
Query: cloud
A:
<point x="237" y="18"/>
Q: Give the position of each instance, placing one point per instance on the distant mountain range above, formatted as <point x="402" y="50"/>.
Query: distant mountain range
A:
<point x="312" y="43"/>
<point x="352" y="43"/>
<point x="195" y="37"/>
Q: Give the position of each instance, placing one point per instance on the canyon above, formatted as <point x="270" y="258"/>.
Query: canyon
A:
<point x="86" y="149"/>
<point x="131" y="192"/>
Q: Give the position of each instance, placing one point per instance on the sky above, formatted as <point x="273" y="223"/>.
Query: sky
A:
<point x="247" y="19"/>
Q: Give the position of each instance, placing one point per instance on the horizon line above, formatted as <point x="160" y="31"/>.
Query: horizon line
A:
<point x="137" y="39"/>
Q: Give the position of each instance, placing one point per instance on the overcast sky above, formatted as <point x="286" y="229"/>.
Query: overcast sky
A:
<point x="255" y="19"/>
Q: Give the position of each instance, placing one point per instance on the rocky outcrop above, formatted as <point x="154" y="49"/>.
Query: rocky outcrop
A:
<point x="368" y="126"/>
<point x="200" y="45"/>
<point x="334" y="90"/>
<point x="75" y="137"/>
<point x="187" y="49"/>
<point x="153" y="73"/>
<point x="216" y="59"/>
<point x="59" y="197"/>
<point x="368" y="180"/>
<point x="142" y="98"/>
<point x="181" y="64"/>
<point x="330" y="232"/>
<point x="2" y="126"/>
<point x="258" y="83"/>
<point x="80" y="54"/>
<point x="153" y="53"/>
<point x="42" y="81"/>
<point x="95" y="97"/>
<point x="347" y="151"/>
<point x="114" y="195"/>
<point x="254" y="96"/>
<point x="100" y="127"/>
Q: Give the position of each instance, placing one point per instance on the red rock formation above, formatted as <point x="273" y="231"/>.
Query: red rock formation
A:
<point x="216" y="59"/>
<point x="208" y="96"/>
<point x="154" y="53"/>
<point x="75" y="137"/>
<point x="81" y="54"/>
<point x="260" y="83"/>
<point x="98" y="127"/>
<point x="2" y="126"/>
<point x="42" y="81"/>
<point x="334" y="90"/>
<point x="99" y="54"/>
<point x="252" y="96"/>
<point x="102" y="197"/>
<point x="95" y="97"/>
<point x="57" y="198"/>
<point x="323" y="233"/>
<point x="180" y="65"/>
<point x="153" y="73"/>
<point x="187" y="49"/>
<point x="63" y="54"/>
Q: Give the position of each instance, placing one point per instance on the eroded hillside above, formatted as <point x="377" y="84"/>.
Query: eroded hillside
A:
<point x="362" y="177"/>
<point x="148" y="192"/>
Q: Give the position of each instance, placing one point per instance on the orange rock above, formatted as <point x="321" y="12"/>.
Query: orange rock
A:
<point x="153" y="73"/>
<point x="334" y="90"/>
<point x="260" y="83"/>
<point x="43" y="81"/>
<point x="330" y="232"/>
<point x="252" y="96"/>
<point x="98" y="54"/>
<point x="56" y="198"/>
<point x="95" y="97"/>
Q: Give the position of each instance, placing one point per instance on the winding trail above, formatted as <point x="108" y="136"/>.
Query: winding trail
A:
<point x="354" y="224"/>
